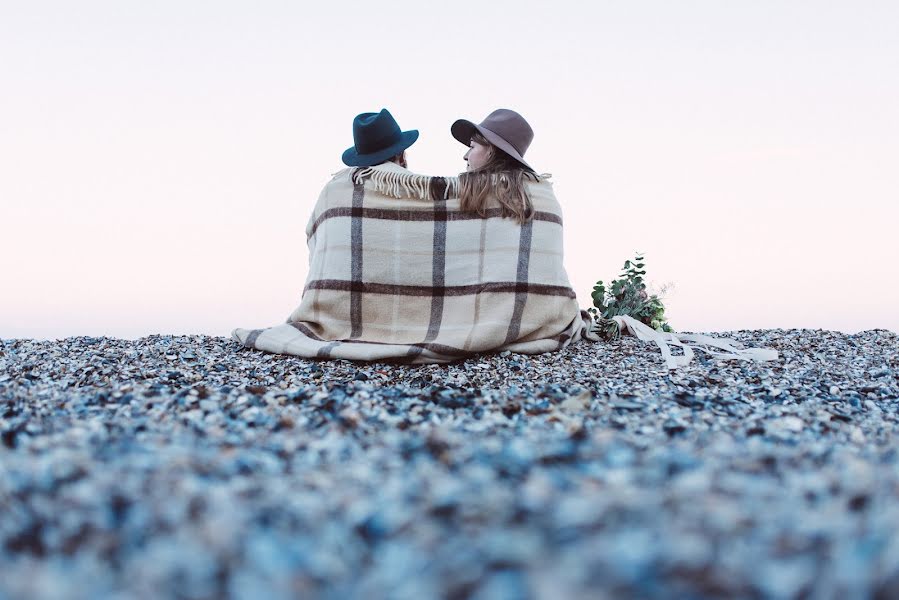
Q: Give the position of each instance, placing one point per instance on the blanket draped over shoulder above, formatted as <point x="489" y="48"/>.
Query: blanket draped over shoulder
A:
<point x="398" y="271"/>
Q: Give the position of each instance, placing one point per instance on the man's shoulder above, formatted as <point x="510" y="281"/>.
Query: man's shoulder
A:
<point x="340" y="181"/>
<point x="342" y="175"/>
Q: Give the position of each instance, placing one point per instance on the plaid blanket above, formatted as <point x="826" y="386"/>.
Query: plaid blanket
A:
<point x="398" y="271"/>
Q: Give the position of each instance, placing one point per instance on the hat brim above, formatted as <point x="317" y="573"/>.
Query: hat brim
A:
<point x="351" y="158"/>
<point x="463" y="130"/>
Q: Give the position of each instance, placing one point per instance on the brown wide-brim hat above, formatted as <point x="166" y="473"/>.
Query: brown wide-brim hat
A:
<point x="504" y="128"/>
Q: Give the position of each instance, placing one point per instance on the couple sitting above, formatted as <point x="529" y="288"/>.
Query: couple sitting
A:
<point x="432" y="269"/>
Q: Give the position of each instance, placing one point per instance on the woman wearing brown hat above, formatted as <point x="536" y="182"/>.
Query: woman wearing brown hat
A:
<point x="496" y="166"/>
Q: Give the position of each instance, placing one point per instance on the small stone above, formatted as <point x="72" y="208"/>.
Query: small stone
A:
<point x="871" y="405"/>
<point x="577" y="403"/>
<point x="673" y="427"/>
<point x="790" y="423"/>
<point x="625" y="405"/>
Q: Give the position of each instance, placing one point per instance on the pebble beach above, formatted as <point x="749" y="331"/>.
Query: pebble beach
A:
<point x="190" y="467"/>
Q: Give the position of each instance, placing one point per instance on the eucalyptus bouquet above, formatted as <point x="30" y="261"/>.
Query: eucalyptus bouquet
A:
<point x="626" y="295"/>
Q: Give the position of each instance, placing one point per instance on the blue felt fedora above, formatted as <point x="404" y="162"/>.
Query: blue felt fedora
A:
<point x="376" y="138"/>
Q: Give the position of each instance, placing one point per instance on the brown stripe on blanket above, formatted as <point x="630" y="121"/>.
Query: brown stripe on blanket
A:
<point x="252" y="337"/>
<point x="325" y="351"/>
<point x="521" y="294"/>
<point x="389" y="214"/>
<point x="438" y="270"/>
<point x="437" y="188"/>
<point x="477" y="300"/>
<point x="356" y="261"/>
<point x="305" y="331"/>
<point x="562" y="339"/>
<point x="443" y="349"/>
<point x="323" y="253"/>
<point x="522" y="287"/>
<point x="438" y="273"/>
<point x="432" y="346"/>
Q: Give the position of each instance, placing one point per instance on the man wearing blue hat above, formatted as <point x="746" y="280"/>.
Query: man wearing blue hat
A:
<point x="377" y="139"/>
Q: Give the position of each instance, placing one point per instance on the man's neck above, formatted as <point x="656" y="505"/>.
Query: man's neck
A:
<point x="401" y="161"/>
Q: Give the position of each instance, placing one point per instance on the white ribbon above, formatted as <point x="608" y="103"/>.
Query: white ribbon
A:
<point x="732" y="348"/>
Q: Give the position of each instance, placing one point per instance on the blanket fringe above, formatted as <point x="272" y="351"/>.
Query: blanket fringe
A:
<point x="409" y="185"/>
<point x="732" y="349"/>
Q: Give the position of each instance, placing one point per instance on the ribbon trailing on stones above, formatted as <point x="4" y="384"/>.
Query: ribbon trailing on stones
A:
<point x="732" y="349"/>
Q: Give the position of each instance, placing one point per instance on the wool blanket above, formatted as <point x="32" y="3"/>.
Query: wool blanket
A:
<point x="398" y="271"/>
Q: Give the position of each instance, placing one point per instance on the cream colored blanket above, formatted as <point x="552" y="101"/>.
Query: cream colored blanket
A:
<point x="398" y="271"/>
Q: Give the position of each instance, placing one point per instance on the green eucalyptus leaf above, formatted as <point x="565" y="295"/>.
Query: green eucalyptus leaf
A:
<point x="627" y="295"/>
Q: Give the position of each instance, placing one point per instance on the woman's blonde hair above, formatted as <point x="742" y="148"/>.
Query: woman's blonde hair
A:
<point x="502" y="178"/>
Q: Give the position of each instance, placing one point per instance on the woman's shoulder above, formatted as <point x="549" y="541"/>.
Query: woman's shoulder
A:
<point x="539" y="182"/>
<point x="543" y="198"/>
<point x="539" y="179"/>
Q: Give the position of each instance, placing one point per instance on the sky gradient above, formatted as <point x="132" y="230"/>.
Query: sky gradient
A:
<point x="159" y="161"/>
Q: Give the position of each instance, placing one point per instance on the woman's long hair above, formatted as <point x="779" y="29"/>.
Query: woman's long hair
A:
<point x="502" y="178"/>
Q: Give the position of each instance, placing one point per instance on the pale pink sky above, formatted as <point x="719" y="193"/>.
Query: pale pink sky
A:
<point x="158" y="161"/>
